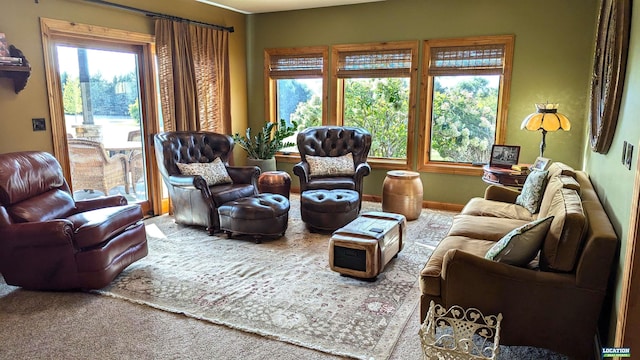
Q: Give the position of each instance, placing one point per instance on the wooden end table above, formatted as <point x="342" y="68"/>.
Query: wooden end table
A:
<point x="504" y="176"/>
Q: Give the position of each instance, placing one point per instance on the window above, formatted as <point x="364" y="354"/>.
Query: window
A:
<point x="467" y="89"/>
<point x="296" y="88"/>
<point x="375" y="90"/>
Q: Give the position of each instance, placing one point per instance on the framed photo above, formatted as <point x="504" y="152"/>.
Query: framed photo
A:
<point x="504" y="156"/>
<point x="541" y="164"/>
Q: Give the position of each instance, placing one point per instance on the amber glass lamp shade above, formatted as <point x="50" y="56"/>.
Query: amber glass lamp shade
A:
<point x="546" y="118"/>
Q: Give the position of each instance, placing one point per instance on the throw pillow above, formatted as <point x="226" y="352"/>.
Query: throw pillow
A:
<point x="521" y="245"/>
<point x="532" y="191"/>
<point x="214" y="173"/>
<point x="331" y="165"/>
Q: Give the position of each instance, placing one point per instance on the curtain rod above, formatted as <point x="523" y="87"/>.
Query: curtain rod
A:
<point x="165" y="16"/>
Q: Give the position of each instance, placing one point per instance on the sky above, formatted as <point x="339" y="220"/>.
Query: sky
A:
<point x="108" y="63"/>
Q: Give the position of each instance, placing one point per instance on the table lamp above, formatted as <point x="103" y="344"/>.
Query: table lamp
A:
<point x="546" y="118"/>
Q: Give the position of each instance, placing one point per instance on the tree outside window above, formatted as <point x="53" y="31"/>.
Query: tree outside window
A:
<point x="375" y="90"/>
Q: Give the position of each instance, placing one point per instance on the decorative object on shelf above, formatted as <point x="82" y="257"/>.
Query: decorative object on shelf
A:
<point x="4" y="47"/>
<point x="541" y="164"/>
<point x="546" y="118"/>
<point x="504" y="156"/>
<point x="458" y="333"/>
<point x="265" y="144"/>
<point x="609" y="66"/>
<point x="16" y="68"/>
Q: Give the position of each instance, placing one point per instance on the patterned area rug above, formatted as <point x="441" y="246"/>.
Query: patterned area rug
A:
<point x="282" y="288"/>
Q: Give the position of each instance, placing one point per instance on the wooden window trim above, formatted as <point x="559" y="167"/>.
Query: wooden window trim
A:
<point x="337" y="86"/>
<point x="426" y="101"/>
<point x="270" y="90"/>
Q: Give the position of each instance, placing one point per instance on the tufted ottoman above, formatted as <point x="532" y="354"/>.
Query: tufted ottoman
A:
<point x="327" y="210"/>
<point x="260" y="215"/>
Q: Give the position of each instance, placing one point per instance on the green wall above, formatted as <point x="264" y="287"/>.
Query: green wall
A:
<point x="20" y="21"/>
<point x="552" y="62"/>
<point x="613" y="181"/>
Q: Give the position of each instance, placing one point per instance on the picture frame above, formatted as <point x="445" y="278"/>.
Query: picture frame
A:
<point x="541" y="164"/>
<point x="504" y="156"/>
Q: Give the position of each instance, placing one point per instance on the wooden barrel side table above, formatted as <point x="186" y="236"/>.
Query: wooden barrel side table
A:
<point x="402" y="193"/>
<point x="275" y="182"/>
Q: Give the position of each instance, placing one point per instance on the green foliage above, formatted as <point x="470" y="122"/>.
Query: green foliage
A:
<point x="463" y="121"/>
<point x="382" y="107"/>
<point x="290" y="94"/>
<point x="134" y="111"/>
<point x="71" y="99"/>
<point x="268" y="141"/>
<point x="308" y="113"/>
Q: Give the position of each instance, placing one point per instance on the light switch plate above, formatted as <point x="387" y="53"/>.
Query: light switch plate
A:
<point x="39" y="124"/>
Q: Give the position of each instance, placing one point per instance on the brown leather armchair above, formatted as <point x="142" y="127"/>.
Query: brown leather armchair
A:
<point x="195" y="203"/>
<point x="48" y="241"/>
<point x="333" y="141"/>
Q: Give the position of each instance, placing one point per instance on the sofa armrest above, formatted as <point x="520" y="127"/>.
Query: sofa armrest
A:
<point x="501" y="193"/>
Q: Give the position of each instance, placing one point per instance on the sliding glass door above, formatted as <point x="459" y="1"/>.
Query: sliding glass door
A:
<point x="103" y="108"/>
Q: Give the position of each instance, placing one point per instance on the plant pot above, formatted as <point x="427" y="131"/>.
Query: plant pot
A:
<point x="264" y="164"/>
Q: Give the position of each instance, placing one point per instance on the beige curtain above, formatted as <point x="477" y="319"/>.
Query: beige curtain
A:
<point x="193" y="66"/>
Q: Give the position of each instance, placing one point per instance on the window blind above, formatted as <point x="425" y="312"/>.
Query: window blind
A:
<point x="291" y="66"/>
<point x="379" y="63"/>
<point x="465" y="60"/>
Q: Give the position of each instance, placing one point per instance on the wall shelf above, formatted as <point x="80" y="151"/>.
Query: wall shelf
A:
<point x="18" y="73"/>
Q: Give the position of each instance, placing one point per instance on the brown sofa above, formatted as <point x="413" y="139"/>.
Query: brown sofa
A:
<point x="553" y="302"/>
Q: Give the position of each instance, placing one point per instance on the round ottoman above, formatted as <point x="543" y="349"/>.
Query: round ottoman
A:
<point x="259" y="215"/>
<point x="328" y="210"/>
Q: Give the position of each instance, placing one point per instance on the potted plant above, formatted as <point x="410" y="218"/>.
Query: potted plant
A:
<point x="261" y="148"/>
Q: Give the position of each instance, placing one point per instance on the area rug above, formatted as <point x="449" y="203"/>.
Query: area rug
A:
<point x="282" y="288"/>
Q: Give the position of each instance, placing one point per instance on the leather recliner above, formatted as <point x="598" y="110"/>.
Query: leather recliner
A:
<point x="49" y="241"/>
<point x="333" y="141"/>
<point x="193" y="201"/>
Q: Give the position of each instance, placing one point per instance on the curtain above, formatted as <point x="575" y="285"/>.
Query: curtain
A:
<point x="193" y="64"/>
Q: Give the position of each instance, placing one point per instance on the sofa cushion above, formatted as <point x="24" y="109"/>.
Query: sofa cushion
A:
<point x="522" y="244"/>
<point x="564" y="238"/>
<point x="214" y="173"/>
<point x="532" y="191"/>
<point x="483" y="207"/>
<point x="331" y="165"/>
<point x="483" y="227"/>
<point x="94" y="227"/>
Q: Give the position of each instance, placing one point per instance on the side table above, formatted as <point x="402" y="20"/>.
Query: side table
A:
<point x="402" y="193"/>
<point x="275" y="182"/>
<point x="503" y="176"/>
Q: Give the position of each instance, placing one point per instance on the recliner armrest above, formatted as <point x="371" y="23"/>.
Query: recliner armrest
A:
<point x="501" y="193"/>
<point x="58" y="232"/>
<point x="101" y="202"/>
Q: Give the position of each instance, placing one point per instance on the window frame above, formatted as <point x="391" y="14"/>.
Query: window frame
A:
<point x="271" y="86"/>
<point x="337" y="85"/>
<point x="426" y="100"/>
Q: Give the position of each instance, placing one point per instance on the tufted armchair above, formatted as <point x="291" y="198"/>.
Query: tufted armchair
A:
<point x="193" y="201"/>
<point x="48" y="241"/>
<point x="333" y="141"/>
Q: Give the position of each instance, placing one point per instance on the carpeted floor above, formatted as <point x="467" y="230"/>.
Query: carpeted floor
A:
<point x="282" y="288"/>
<point x="76" y="325"/>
